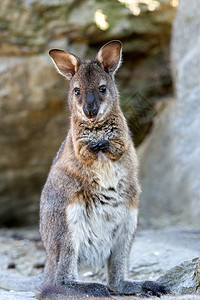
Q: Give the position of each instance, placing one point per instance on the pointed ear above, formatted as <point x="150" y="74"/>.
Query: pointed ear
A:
<point x="66" y="63"/>
<point x="109" y="56"/>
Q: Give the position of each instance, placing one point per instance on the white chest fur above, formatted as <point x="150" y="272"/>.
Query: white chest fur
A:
<point x="96" y="232"/>
<point x="108" y="173"/>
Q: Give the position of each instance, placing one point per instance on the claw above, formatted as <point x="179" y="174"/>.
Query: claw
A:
<point x="154" y="289"/>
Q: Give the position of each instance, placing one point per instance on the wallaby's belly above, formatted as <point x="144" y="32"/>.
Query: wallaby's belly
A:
<point x="95" y="234"/>
<point x="95" y="225"/>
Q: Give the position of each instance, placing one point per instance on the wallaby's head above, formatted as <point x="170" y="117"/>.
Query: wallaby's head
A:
<point x="92" y="93"/>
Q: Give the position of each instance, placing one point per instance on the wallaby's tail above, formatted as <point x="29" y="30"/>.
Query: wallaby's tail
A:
<point x="18" y="283"/>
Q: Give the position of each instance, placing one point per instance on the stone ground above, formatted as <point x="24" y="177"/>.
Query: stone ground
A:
<point x="153" y="253"/>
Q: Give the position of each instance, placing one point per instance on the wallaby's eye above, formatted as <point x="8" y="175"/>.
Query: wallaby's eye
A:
<point x="102" y="89"/>
<point x="77" y="91"/>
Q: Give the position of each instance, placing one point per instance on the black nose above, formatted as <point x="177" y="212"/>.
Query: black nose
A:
<point x="91" y="108"/>
<point x="90" y="111"/>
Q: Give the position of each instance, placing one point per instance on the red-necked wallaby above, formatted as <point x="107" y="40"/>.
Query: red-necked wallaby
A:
<point x="89" y="204"/>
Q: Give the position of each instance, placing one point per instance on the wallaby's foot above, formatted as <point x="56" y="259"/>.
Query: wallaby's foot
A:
<point x="95" y="147"/>
<point x="88" y="288"/>
<point x="72" y="289"/>
<point x="145" y="288"/>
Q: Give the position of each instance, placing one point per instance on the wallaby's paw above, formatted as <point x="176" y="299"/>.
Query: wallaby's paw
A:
<point x="98" y="290"/>
<point x="88" y="288"/>
<point x="93" y="147"/>
<point x="151" y="288"/>
<point x="104" y="146"/>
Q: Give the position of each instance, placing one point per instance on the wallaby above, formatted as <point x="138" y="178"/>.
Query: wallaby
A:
<point x="89" y="204"/>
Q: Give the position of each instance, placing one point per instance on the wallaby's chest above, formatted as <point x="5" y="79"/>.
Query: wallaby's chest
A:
<point x="96" y="134"/>
<point x="95" y="217"/>
<point x="109" y="174"/>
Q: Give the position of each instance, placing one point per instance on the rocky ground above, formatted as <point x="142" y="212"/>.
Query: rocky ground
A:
<point x="154" y="252"/>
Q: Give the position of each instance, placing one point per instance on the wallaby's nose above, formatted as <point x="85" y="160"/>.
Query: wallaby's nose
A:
<point x="90" y="109"/>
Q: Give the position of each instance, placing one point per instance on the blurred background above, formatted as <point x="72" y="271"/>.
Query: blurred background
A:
<point x="34" y="115"/>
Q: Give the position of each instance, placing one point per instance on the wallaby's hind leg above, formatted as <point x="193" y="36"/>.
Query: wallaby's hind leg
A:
<point x="66" y="274"/>
<point x="61" y="262"/>
<point x="118" y="266"/>
<point x="67" y="271"/>
<point x="61" y="268"/>
<point x="50" y="267"/>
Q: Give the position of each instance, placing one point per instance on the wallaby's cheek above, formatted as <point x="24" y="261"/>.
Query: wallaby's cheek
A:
<point x="79" y="109"/>
<point x="104" y="109"/>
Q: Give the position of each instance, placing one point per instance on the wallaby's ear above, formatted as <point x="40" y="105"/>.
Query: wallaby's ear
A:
<point x="109" y="56"/>
<point x="66" y="63"/>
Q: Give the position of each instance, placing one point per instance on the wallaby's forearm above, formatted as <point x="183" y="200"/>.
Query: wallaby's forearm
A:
<point x="87" y="150"/>
<point x="83" y="153"/>
<point x="116" y="149"/>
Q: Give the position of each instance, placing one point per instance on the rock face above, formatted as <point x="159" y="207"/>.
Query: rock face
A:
<point x="183" y="279"/>
<point x="171" y="155"/>
<point x="33" y="118"/>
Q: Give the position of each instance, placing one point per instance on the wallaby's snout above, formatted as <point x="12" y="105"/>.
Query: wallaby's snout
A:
<point x="91" y="107"/>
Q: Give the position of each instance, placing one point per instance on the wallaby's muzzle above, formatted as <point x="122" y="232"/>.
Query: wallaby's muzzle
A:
<point x="90" y="107"/>
<point x="90" y="111"/>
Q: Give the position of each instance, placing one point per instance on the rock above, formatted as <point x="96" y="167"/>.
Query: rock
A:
<point x="31" y="115"/>
<point x="33" y="118"/>
<point x="36" y="23"/>
<point x="186" y="27"/>
<point x="12" y="295"/>
<point x="171" y="155"/>
<point x="183" y="279"/>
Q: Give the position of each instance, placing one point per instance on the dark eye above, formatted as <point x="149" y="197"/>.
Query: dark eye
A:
<point x="102" y="89"/>
<point x="77" y="91"/>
